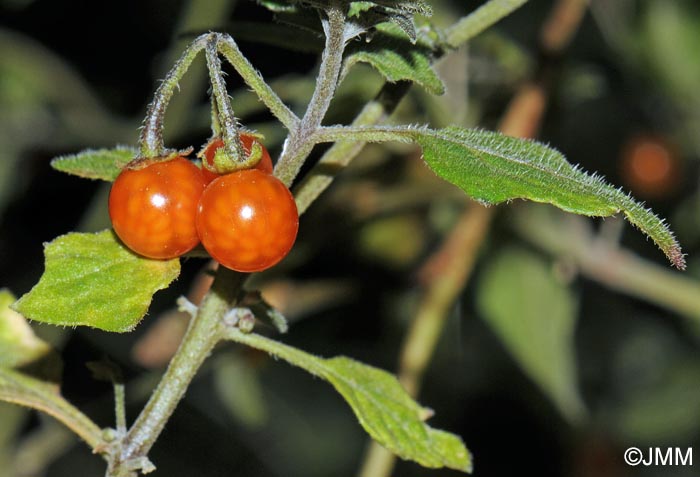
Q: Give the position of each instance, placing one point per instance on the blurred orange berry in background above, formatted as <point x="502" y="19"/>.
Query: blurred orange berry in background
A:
<point x="650" y="166"/>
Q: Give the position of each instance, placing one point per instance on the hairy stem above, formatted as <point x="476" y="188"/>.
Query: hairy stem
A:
<point x="196" y="16"/>
<point x="120" y="407"/>
<point x="377" y="111"/>
<point x="201" y="337"/>
<point x="226" y="119"/>
<point x="363" y="133"/>
<point x="151" y="140"/>
<point x="298" y="145"/>
<point x="331" y="62"/>
<point x="343" y="152"/>
<point x="252" y="77"/>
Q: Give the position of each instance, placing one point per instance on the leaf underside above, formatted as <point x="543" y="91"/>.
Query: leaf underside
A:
<point x="493" y="168"/>
<point x="94" y="280"/>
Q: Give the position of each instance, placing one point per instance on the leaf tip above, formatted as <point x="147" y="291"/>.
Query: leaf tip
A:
<point x="677" y="257"/>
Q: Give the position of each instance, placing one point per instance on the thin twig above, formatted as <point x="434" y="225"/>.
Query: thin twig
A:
<point x="151" y="140"/>
<point x="226" y="118"/>
<point x="571" y="238"/>
<point x="230" y="50"/>
<point x="485" y="16"/>
<point x="298" y="146"/>
<point x="201" y="337"/>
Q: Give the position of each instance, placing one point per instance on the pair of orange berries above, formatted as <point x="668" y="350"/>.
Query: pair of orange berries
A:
<point x="246" y="220"/>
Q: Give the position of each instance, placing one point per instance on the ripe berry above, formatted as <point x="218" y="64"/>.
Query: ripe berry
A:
<point x="247" y="140"/>
<point x="153" y="209"/>
<point x="247" y="220"/>
<point x="650" y="166"/>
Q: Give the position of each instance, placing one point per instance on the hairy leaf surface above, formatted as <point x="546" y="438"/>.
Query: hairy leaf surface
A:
<point x="493" y="168"/>
<point x="94" y="280"/>
<point x="381" y="405"/>
<point x="103" y="164"/>
<point x="390" y="53"/>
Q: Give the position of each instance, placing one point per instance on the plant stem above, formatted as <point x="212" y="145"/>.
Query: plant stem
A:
<point x="226" y="119"/>
<point x="377" y="111"/>
<point x="18" y="388"/>
<point x="446" y="273"/>
<point x="120" y="407"/>
<point x="478" y="21"/>
<point x="364" y="134"/>
<point x="201" y="337"/>
<point x="298" y="145"/>
<point x="250" y="75"/>
<point x="571" y="238"/>
<point x="151" y="140"/>
<point x="196" y="16"/>
<point x="343" y="152"/>
<point x="331" y="62"/>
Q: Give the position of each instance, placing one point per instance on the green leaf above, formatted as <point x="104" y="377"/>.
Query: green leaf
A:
<point x="382" y="406"/>
<point x="94" y="280"/>
<point x="354" y="7"/>
<point x="393" y="55"/>
<point x="241" y="392"/>
<point x="494" y="168"/>
<point x="534" y="315"/>
<point x="104" y="164"/>
<point x="279" y="5"/>
<point x="19" y="345"/>
<point x="361" y="15"/>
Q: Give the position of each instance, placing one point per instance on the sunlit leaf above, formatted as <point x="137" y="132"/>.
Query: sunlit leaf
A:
<point x="104" y="164"/>
<point x="381" y="405"/>
<point x="94" y="280"/>
<point x="18" y="343"/>
<point x="534" y="315"/>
